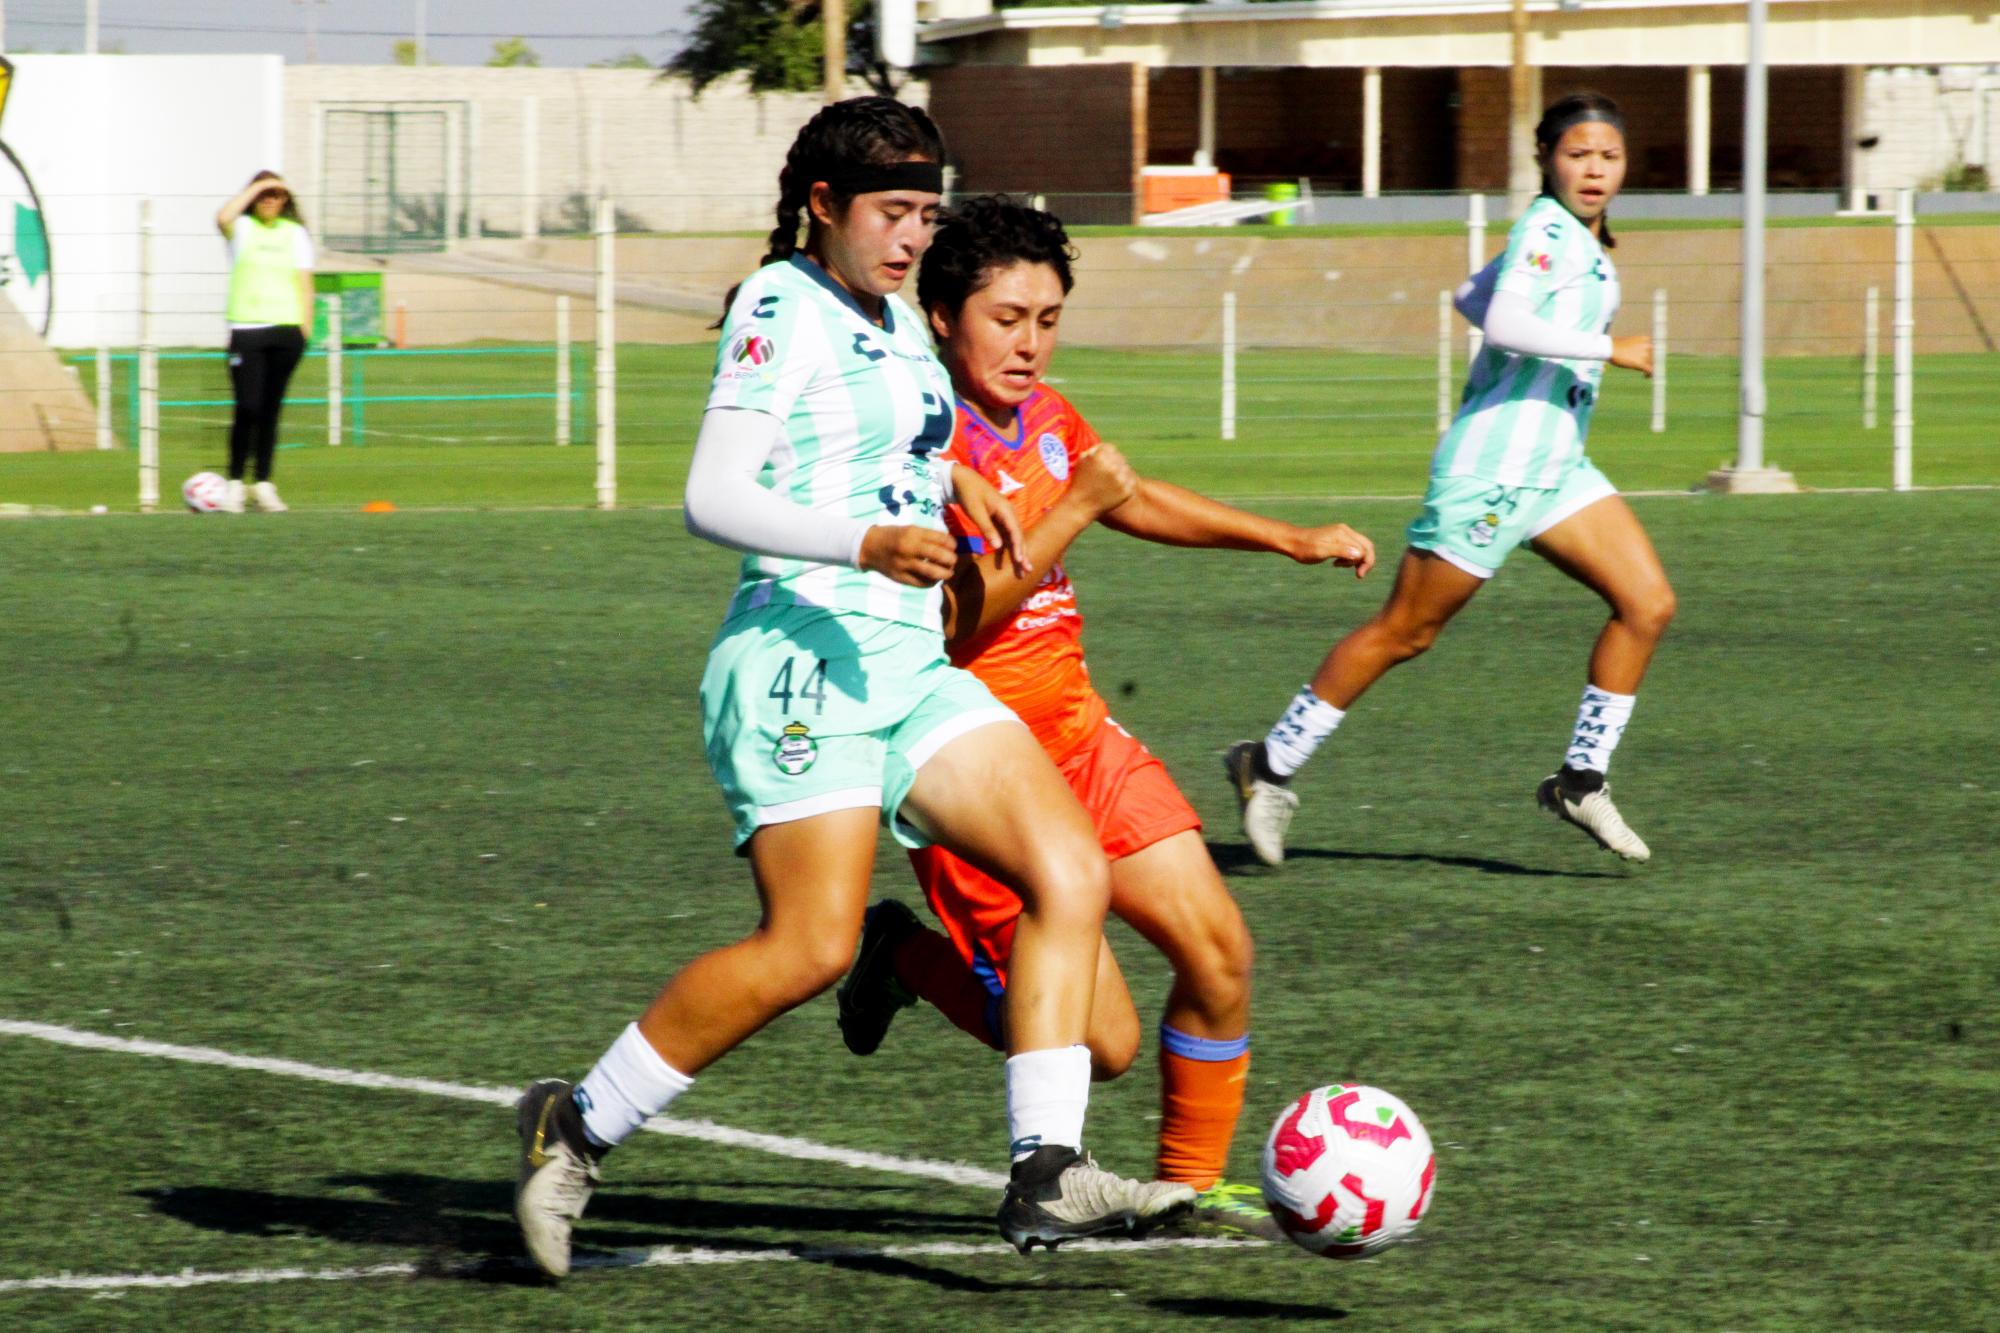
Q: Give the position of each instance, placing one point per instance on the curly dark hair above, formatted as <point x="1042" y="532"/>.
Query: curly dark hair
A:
<point x="858" y="132"/>
<point x="1557" y="120"/>
<point x="983" y="235"/>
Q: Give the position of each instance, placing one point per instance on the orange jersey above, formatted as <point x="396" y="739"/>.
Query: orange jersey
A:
<point x="1034" y="662"/>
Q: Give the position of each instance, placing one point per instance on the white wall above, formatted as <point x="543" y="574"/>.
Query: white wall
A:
<point x="99" y="133"/>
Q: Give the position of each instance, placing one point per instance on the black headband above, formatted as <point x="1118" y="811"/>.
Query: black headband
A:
<point x="1580" y="116"/>
<point x="926" y="177"/>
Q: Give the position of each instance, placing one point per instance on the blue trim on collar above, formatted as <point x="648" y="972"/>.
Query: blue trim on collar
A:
<point x="825" y="279"/>
<point x="1013" y="446"/>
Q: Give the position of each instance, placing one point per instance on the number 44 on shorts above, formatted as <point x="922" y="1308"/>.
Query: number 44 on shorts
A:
<point x="796" y="750"/>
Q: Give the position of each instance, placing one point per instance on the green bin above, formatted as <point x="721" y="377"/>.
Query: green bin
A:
<point x="360" y="297"/>
<point x="1281" y="192"/>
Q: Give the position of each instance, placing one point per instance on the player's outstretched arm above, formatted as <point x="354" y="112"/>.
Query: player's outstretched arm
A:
<point x="987" y="589"/>
<point x="1175" y="516"/>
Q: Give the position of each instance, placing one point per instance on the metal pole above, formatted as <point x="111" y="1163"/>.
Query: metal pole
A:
<point x="1902" y="420"/>
<point x="1750" y="419"/>
<point x="105" y="439"/>
<point x="1444" y="362"/>
<point x="336" y="362"/>
<point x="90" y="46"/>
<point x="1659" y="360"/>
<point x="149" y="370"/>
<point x="1229" y="365"/>
<point x="833" y="23"/>
<point x="1371" y="131"/>
<point x="562" y="371"/>
<point x="1475" y="259"/>
<point x="1871" y="355"/>
<point x="1523" y="176"/>
<point x="607" y="366"/>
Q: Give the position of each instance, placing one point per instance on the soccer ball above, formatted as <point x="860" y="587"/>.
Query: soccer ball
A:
<point x="204" y="492"/>
<point x="1348" y="1171"/>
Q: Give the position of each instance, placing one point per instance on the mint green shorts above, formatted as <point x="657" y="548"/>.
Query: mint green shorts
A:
<point x="806" y="710"/>
<point x="1475" y="524"/>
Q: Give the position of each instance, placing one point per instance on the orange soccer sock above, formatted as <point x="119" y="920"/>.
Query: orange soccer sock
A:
<point x="1201" y="1097"/>
<point x="930" y="967"/>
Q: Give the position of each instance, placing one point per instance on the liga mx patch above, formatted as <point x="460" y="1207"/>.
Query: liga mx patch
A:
<point x="796" y="751"/>
<point x="1054" y="457"/>
<point x="752" y="349"/>
<point x="1539" y="259"/>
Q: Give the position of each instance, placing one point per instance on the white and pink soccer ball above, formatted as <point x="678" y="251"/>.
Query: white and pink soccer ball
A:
<point x="204" y="492"/>
<point x="1348" y="1171"/>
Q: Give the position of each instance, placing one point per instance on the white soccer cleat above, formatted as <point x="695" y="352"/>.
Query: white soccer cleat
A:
<point x="232" y="498"/>
<point x="1594" y="813"/>
<point x="1060" y="1194"/>
<point x="1266" y="807"/>
<point x="267" y="498"/>
<point x="555" y="1181"/>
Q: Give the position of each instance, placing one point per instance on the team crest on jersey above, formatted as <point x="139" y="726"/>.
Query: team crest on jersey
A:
<point x="796" y="751"/>
<point x="752" y="349"/>
<point x="1485" y="530"/>
<point x="1054" y="457"/>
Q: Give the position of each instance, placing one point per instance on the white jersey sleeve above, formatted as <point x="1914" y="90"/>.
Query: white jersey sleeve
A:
<point x="769" y="351"/>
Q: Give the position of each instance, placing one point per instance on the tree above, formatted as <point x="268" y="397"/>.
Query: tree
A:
<point x="405" y="52"/>
<point x="513" y="53"/>
<point x="778" y="44"/>
<point x="630" y="60"/>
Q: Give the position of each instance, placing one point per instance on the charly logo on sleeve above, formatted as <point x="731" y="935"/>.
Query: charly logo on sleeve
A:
<point x="796" y="750"/>
<point x="1054" y="456"/>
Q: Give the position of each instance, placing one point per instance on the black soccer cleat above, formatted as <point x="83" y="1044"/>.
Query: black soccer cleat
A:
<point x="871" y="996"/>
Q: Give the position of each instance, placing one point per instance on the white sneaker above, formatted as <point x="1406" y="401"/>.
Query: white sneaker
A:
<point x="555" y="1181"/>
<point x="1594" y="813"/>
<point x="267" y="498"/>
<point x="1266" y="807"/>
<point x="232" y="497"/>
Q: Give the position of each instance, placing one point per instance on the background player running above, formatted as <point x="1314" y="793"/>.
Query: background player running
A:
<point x="993" y="286"/>
<point x="1511" y="470"/>
<point x="828" y="703"/>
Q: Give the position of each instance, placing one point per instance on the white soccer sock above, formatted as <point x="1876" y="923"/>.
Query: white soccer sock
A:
<point x="1047" y="1092"/>
<point x="629" y="1083"/>
<point x="1600" y="721"/>
<point x="1305" y="724"/>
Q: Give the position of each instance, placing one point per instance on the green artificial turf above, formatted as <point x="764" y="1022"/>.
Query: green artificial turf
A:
<point x="423" y="794"/>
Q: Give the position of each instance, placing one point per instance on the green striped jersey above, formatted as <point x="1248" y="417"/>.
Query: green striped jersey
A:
<point x="865" y="407"/>
<point x="1523" y="419"/>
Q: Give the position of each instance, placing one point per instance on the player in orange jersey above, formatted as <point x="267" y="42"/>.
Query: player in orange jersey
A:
<point x="993" y="286"/>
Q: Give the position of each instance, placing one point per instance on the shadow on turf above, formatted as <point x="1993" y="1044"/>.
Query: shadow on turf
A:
<point x="1222" y="1307"/>
<point x="465" y="1229"/>
<point x="1234" y="858"/>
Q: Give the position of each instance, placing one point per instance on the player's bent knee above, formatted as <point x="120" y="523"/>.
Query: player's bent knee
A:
<point x="1068" y="885"/>
<point x="1112" y="1051"/>
<point x="1652" y="611"/>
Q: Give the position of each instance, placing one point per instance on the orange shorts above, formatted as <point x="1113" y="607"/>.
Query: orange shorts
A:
<point x="1130" y="798"/>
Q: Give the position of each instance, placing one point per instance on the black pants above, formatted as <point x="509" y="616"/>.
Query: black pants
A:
<point x="261" y="362"/>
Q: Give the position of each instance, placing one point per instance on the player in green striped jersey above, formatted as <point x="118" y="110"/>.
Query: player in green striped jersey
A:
<point x="828" y="703"/>
<point x="1511" y="471"/>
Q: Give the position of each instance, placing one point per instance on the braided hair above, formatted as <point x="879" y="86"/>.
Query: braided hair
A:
<point x="858" y="132"/>
<point x="1557" y="121"/>
<point x="975" y="240"/>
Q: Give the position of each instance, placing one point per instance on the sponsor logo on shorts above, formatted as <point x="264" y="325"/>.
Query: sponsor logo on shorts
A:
<point x="1484" y="530"/>
<point x="796" y="751"/>
<point x="1054" y="457"/>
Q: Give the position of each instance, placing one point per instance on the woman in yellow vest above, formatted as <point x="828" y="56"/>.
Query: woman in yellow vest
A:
<point x="270" y="308"/>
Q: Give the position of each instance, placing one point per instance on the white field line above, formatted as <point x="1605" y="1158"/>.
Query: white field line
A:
<point x="706" y="1131"/>
<point x="665" y="1256"/>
